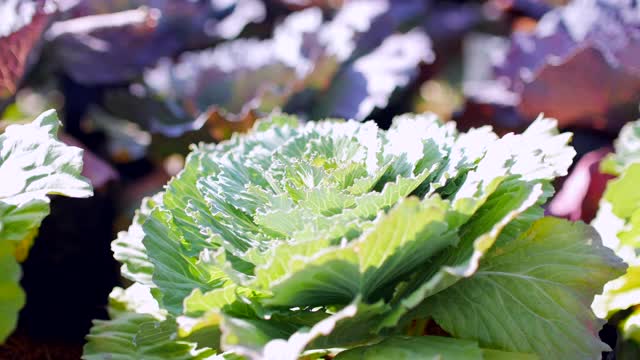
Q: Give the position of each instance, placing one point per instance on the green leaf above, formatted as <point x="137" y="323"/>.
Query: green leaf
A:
<point x="631" y="326"/>
<point x="33" y="164"/>
<point x="119" y="339"/>
<point x="287" y="335"/>
<point x="533" y="294"/>
<point x="115" y="339"/>
<point x="428" y="347"/>
<point x="136" y="298"/>
<point x="409" y="235"/>
<point x="627" y="150"/>
<point x="396" y="245"/>
<point x="204" y="310"/>
<point x="618" y="220"/>
<point x="503" y="210"/>
<point x="619" y="294"/>
<point x="175" y="275"/>
<point x="491" y="354"/>
<point x="12" y="297"/>
<point x="627" y="349"/>
<point x="138" y="329"/>
<point x="622" y="194"/>
<point x="273" y="344"/>
<point x="128" y="247"/>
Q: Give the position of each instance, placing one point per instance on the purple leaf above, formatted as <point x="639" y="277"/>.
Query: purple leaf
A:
<point x="122" y="44"/>
<point x="235" y="77"/>
<point x="23" y="22"/>
<point x="369" y="82"/>
<point x="580" y="65"/>
<point x="303" y="4"/>
<point x="99" y="172"/>
<point x="345" y="66"/>
<point x="581" y="192"/>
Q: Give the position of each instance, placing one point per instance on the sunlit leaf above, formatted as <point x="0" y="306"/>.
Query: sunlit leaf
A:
<point x="33" y="164"/>
<point x="300" y="240"/>
<point x="577" y="65"/>
<point x="125" y="37"/>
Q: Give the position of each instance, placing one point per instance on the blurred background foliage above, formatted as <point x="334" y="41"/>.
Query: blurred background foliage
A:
<point x="137" y="81"/>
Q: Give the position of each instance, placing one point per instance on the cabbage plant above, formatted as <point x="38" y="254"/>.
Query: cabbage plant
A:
<point x="33" y="163"/>
<point x="339" y="239"/>
<point x="618" y="221"/>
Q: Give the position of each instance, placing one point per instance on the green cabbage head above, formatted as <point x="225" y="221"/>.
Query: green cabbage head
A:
<point x="337" y="238"/>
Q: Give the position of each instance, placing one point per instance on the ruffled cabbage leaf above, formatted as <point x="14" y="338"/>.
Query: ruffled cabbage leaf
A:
<point x="125" y="37"/>
<point x="314" y="65"/>
<point x="304" y="240"/>
<point x="582" y="50"/>
<point x="618" y="220"/>
<point x="33" y="164"/>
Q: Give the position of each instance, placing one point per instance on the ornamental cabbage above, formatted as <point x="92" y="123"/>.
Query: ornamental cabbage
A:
<point x="33" y="163"/>
<point x="618" y="221"/>
<point x="338" y="238"/>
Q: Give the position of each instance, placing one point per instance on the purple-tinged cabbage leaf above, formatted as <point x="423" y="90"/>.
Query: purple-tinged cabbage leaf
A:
<point x="22" y="25"/>
<point x="345" y="66"/>
<point x="303" y="4"/>
<point x="123" y="38"/>
<point x="579" y="65"/>
<point x="581" y="191"/>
